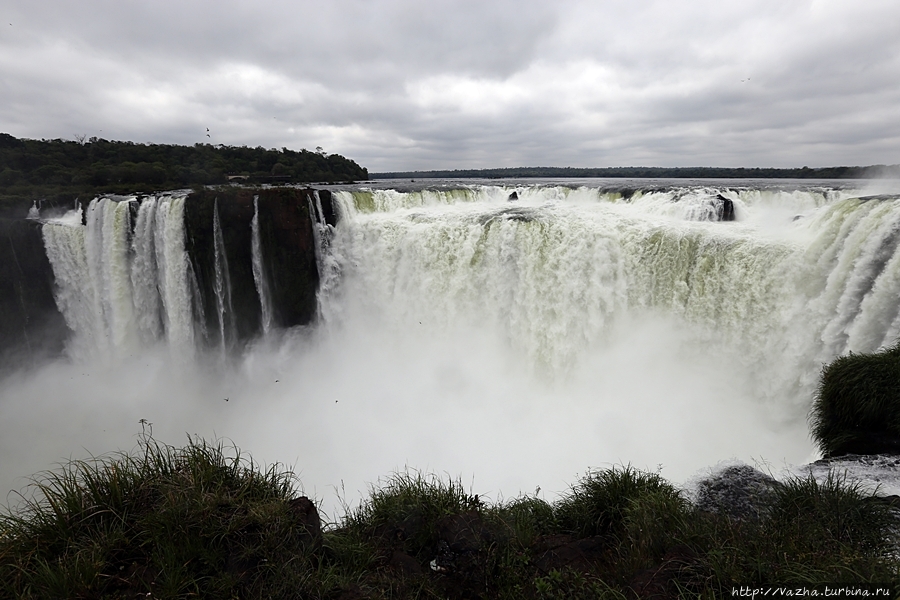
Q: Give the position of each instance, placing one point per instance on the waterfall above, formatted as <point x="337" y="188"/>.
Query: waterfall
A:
<point x="145" y="274"/>
<point x="259" y="274"/>
<point x="802" y="277"/>
<point x="519" y="342"/>
<point x="222" y="285"/>
<point x="74" y="287"/>
<point x="327" y="264"/>
<point x="174" y="274"/>
<point x="804" y="274"/>
<point x="107" y="239"/>
<point x="119" y="288"/>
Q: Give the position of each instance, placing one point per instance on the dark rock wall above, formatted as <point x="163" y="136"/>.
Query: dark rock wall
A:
<point x="288" y="249"/>
<point x="235" y="214"/>
<point x="31" y="326"/>
<point x="289" y="252"/>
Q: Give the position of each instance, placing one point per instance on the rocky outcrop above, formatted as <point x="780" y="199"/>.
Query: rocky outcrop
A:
<point x="724" y="208"/>
<point x="235" y="210"/>
<point x="739" y="492"/>
<point x="31" y="326"/>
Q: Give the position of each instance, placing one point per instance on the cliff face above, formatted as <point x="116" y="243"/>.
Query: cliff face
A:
<point x="289" y="251"/>
<point x="31" y="326"/>
<point x="288" y="256"/>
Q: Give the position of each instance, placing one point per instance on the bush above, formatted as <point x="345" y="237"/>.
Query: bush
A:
<point x="857" y="405"/>
<point x="600" y="503"/>
<point x="409" y="506"/>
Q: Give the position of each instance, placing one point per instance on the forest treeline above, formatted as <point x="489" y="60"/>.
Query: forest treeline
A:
<point x="57" y="172"/>
<point x="656" y="172"/>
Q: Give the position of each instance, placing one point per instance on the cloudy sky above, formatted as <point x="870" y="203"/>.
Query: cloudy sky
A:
<point x="404" y="85"/>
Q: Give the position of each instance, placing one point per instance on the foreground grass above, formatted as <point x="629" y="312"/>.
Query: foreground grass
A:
<point x="204" y="522"/>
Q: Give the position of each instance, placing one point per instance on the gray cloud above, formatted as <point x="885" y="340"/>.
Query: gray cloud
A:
<point x="403" y="85"/>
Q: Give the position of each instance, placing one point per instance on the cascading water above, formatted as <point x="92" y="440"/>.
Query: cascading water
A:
<point x="174" y="274"/>
<point x="555" y="272"/>
<point x="222" y="286"/>
<point x="259" y="273"/>
<point x="117" y="289"/>
<point x="328" y="266"/>
<point x="145" y="274"/>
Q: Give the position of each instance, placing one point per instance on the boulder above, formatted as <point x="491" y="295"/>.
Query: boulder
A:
<point x="307" y="515"/>
<point x="739" y="492"/>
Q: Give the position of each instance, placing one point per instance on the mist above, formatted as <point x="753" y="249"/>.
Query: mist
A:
<point x="344" y="406"/>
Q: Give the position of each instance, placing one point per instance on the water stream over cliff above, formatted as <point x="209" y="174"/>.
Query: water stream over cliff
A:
<point x="515" y="341"/>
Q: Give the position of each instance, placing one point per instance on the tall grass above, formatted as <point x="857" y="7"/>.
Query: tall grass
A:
<point x="166" y="521"/>
<point x="203" y="521"/>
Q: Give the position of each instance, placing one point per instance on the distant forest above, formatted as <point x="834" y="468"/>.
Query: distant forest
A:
<point x="56" y="172"/>
<point x="654" y="172"/>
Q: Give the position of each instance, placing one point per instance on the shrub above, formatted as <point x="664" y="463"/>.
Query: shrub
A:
<point x="408" y="506"/>
<point x="600" y="503"/>
<point x="857" y="405"/>
<point x="201" y="521"/>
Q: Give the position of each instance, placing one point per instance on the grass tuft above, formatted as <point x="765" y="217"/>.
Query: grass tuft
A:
<point x="600" y="503"/>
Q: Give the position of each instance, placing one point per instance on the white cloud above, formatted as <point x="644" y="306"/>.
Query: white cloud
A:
<point x="454" y="84"/>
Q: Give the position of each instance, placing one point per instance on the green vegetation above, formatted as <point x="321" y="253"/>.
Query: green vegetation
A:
<point x="174" y="522"/>
<point x="857" y="407"/>
<point x="201" y="522"/>
<point x="59" y="171"/>
<point x="655" y="172"/>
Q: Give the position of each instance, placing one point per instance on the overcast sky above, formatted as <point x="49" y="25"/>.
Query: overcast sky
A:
<point x="404" y="85"/>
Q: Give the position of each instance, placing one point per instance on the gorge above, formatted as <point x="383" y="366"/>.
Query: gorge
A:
<point x="356" y="330"/>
